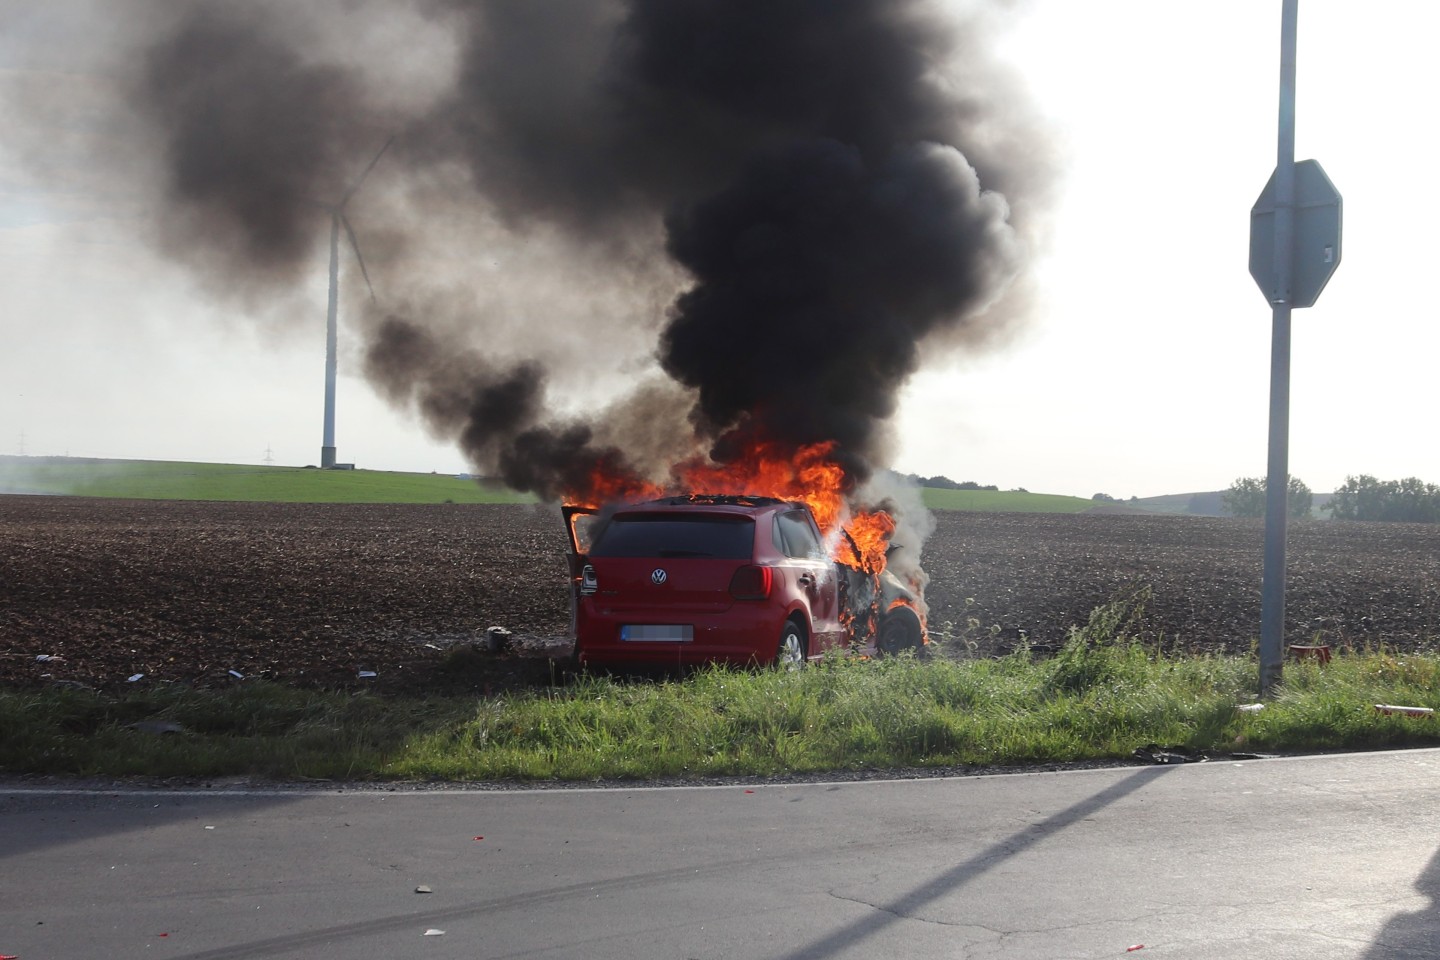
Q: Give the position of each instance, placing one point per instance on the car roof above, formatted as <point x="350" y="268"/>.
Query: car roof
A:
<point x="722" y="503"/>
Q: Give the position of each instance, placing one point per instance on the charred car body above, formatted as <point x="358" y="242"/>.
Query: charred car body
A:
<point x="728" y="579"/>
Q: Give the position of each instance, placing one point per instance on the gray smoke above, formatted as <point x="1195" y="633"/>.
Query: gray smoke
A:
<point x="782" y="205"/>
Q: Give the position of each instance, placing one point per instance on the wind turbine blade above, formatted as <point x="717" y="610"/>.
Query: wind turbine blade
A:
<point x="356" y="186"/>
<point x="355" y="245"/>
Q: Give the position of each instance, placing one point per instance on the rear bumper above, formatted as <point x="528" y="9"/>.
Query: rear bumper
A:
<point x="743" y="634"/>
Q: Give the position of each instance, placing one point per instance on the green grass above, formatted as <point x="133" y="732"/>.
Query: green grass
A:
<point x="167" y="480"/>
<point x="1003" y="501"/>
<point x="175" y="480"/>
<point x="1101" y="697"/>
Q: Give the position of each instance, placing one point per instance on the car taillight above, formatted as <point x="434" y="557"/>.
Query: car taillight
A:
<point x="752" y="583"/>
<point x="588" y="582"/>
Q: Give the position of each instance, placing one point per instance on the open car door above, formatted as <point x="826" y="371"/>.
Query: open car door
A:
<point x="579" y="524"/>
<point x="579" y="527"/>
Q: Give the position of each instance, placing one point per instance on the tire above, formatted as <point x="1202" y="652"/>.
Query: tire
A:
<point x="790" y="653"/>
<point x="900" y="630"/>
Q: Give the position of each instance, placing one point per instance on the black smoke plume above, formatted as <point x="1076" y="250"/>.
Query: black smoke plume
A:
<point x="818" y="275"/>
<point x="790" y="201"/>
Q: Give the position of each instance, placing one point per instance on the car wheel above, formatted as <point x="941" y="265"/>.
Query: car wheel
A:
<point x="791" y="652"/>
<point x="899" y="630"/>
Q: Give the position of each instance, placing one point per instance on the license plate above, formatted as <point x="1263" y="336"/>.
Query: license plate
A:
<point x="658" y="632"/>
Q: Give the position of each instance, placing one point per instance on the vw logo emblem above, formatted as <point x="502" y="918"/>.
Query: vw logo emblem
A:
<point x="657" y="576"/>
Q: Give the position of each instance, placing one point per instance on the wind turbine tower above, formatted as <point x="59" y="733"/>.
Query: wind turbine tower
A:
<point x="337" y="220"/>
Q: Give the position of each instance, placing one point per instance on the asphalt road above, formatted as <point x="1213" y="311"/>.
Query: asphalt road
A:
<point x="1326" y="857"/>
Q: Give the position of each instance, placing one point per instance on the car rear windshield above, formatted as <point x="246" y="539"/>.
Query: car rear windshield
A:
<point x="719" y="536"/>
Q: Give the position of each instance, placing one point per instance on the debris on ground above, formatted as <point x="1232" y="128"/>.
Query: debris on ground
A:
<point x="1388" y="709"/>
<point x="1153" y="753"/>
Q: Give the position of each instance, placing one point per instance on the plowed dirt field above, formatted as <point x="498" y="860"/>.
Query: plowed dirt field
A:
<point x="314" y="594"/>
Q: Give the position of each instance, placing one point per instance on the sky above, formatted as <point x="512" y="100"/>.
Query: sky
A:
<point x="1142" y="366"/>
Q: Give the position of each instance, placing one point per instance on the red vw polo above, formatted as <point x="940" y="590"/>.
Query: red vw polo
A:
<point x="684" y="580"/>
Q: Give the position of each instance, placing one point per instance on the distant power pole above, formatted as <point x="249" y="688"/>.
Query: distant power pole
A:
<point x="268" y="458"/>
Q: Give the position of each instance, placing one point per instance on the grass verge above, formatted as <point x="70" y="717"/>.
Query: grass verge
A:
<point x="175" y="480"/>
<point x="1101" y="697"/>
<point x="165" y="480"/>
<point x="1003" y="501"/>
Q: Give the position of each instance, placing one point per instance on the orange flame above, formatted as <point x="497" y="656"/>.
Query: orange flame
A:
<point x="924" y="620"/>
<point x="609" y="486"/>
<point x="808" y="475"/>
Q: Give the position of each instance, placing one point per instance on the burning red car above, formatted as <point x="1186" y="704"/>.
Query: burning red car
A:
<point x="730" y="579"/>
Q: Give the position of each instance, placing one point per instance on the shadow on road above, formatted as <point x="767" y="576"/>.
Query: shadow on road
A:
<point x="32" y="819"/>
<point x="906" y="906"/>
<point x="1415" y="935"/>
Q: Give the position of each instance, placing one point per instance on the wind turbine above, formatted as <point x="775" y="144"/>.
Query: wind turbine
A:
<point x="337" y="220"/>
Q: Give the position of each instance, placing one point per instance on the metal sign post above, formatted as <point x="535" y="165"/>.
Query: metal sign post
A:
<point x="1294" y="248"/>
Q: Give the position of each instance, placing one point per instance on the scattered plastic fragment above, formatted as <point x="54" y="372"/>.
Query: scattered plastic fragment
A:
<point x="237" y="674"/>
<point x="209" y="828"/>
<point x="134" y="677"/>
<point x="48" y="658"/>
<point x="8" y="956"/>
<point x="749" y="791"/>
<point x="1155" y="753"/>
<point x="1250" y="707"/>
<point x="423" y="889"/>
<point x="1138" y="946"/>
<point x="1389" y="708"/>
<point x="367" y="674"/>
<point x="162" y="934"/>
<point x="479" y="838"/>
<point x="432" y="932"/>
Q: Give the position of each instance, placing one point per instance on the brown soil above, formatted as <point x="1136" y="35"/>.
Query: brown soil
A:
<point x="314" y="594"/>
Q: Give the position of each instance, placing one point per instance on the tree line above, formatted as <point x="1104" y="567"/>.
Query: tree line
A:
<point x="1411" y="500"/>
<point x="1363" y="497"/>
<point x="945" y="483"/>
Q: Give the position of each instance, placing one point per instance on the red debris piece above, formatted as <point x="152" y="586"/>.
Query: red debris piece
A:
<point x="1318" y="652"/>
<point x="479" y="838"/>
<point x="1138" y="946"/>
<point x="162" y="934"/>
<point x="7" y="956"/>
<point x="749" y="791"/>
